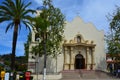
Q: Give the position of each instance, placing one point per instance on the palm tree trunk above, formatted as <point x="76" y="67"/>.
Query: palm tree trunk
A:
<point x="15" y="35"/>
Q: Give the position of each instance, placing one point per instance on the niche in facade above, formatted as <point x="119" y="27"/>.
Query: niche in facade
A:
<point x="78" y="39"/>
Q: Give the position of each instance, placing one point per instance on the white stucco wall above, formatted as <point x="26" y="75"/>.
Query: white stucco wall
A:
<point x="88" y="32"/>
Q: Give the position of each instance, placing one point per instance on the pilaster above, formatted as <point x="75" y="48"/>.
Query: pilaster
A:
<point x="71" y="59"/>
<point x="93" y="62"/>
<point x="66" y="65"/>
<point x="87" y="58"/>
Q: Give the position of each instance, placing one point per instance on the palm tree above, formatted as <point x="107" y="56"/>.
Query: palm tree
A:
<point x="15" y="12"/>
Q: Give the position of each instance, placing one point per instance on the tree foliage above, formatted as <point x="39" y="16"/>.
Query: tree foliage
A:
<point x="20" y="63"/>
<point x="49" y="25"/>
<point x="113" y="38"/>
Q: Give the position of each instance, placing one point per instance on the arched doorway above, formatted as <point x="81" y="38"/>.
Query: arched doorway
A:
<point x="79" y="62"/>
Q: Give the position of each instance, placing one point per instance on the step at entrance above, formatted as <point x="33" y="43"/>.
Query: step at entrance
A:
<point x="84" y="75"/>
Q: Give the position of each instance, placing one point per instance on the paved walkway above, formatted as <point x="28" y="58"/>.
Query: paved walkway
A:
<point x="87" y="75"/>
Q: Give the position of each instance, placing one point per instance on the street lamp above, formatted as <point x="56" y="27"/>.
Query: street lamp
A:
<point x="44" y="38"/>
<point x="39" y="41"/>
<point x="44" y="35"/>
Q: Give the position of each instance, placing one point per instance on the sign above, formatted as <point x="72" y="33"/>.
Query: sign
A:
<point x="31" y="65"/>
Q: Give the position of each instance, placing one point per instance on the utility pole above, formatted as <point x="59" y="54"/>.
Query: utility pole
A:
<point x="45" y="55"/>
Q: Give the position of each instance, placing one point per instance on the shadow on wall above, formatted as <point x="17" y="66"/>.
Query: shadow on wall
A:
<point x="102" y="65"/>
<point x="50" y="65"/>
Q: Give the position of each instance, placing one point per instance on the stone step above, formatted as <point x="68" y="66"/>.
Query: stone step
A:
<point x="85" y="75"/>
<point x="71" y="74"/>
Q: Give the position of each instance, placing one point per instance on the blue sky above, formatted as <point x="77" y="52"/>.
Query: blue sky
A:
<point x="93" y="11"/>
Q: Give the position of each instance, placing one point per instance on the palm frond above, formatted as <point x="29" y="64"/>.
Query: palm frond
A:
<point x="28" y="17"/>
<point x="27" y="24"/>
<point x="10" y="7"/>
<point x="27" y="5"/>
<point x="10" y="25"/>
<point x="2" y="19"/>
<point x="18" y="2"/>
<point x="4" y="10"/>
<point x="28" y="11"/>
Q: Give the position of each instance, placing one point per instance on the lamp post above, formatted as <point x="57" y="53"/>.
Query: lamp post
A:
<point x="45" y="55"/>
<point x="38" y="40"/>
<point x="44" y="38"/>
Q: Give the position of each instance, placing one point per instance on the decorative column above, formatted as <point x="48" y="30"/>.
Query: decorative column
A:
<point x="93" y="62"/>
<point x="71" y="59"/>
<point x="66" y="66"/>
<point x="64" y="58"/>
<point x="87" y="58"/>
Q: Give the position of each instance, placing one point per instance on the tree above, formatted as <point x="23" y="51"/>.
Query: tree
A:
<point x="113" y="38"/>
<point x="49" y="25"/>
<point x="49" y="22"/>
<point x="17" y="14"/>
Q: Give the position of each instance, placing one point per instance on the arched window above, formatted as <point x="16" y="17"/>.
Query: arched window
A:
<point x="78" y="39"/>
<point x="36" y="37"/>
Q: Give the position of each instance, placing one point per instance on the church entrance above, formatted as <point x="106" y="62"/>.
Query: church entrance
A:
<point x="79" y="62"/>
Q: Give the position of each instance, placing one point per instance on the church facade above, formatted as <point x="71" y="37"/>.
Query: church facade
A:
<point x="82" y="48"/>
